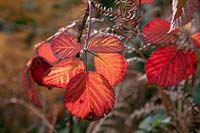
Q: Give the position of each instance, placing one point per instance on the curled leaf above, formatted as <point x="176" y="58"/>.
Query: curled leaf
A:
<point x="60" y="74"/>
<point x="38" y="68"/>
<point x="44" y="50"/>
<point x="167" y="66"/>
<point x="89" y="96"/>
<point x="28" y="85"/>
<point x="65" y="45"/>
<point x="183" y="11"/>
<point x="156" y="31"/>
<point x="105" y="44"/>
<point x="112" y="66"/>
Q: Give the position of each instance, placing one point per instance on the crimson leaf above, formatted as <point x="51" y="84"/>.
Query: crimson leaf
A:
<point x="28" y="85"/>
<point x="44" y="50"/>
<point x="192" y="61"/>
<point x="38" y="68"/>
<point x="167" y="66"/>
<point x="105" y="44"/>
<point x="156" y="31"/>
<point x="65" y="45"/>
<point x="89" y="96"/>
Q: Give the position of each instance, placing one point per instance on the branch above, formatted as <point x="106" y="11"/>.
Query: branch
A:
<point x="88" y="24"/>
<point x="33" y="109"/>
<point x="82" y="25"/>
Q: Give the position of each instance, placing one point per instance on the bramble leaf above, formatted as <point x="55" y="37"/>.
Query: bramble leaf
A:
<point x="38" y="68"/>
<point x="89" y="96"/>
<point x="44" y="50"/>
<point x="167" y="66"/>
<point x="112" y="66"/>
<point x="147" y="1"/>
<point x="28" y="85"/>
<point x="183" y="11"/>
<point x="192" y="61"/>
<point x="65" y="45"/>
<point x="105" y="44"/>
<point x="156" y="31"/>
<point x="196" y="39"/>
<point x="60" y="74"/>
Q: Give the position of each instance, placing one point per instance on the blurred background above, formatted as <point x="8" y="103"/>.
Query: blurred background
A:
<point x="24" y="23"/>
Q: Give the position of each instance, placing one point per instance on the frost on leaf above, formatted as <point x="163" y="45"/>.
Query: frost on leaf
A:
<point x="183" y="11"/>
<point x="196" y="39"/>
<point x="157" y="31"/>
<point x="167" y="66"/>
<point x="28" y="85"/>
<point x="105" y="44"/>
<point x="65" y="45"/>
<point x="112" y="66"/>
<point x="38" y="68"/>
<point x="60" y="74"/>
<point x="192" y="61"/>
<point x="89" y="96"/>
<point x="44" y="50"/>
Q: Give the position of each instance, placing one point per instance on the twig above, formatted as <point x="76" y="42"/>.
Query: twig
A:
<point x="89" y="24"/>
<point x="136" y="59"/>
<point x="89" y="18"/>
<point x="60" y="31"/>
<point x="82" y="25"/>
<point x="33" y="109"/>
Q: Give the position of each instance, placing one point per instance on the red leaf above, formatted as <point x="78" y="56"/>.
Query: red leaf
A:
<point x="147" y="1"/>
<point x="38" y="68"/>
<point x="156" y="31"/>
<point x="44" y="50"/>
<point x="192" y="61"/>
<point x="183" y="11"/>
<point x="60" y="74"/>
<point x="28" y="85"/>
<point x="167" y="66"/>
<point x="89" y="96"/>
<point x="196" y="39"/>
<point x="112" y="66"/>
<point x="65" y="45"/>
<point x="105" y="44"/>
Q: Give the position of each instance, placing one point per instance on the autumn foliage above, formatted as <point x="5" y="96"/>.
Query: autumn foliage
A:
<point x="89" y="95"/>
<point x="62" y="63"/>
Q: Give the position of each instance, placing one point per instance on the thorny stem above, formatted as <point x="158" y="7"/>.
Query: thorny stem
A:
<point x="89" y="18"/>
<point x="86" y="60"/>
<point x="82" y="25"/>
<point x="88" y="24"/>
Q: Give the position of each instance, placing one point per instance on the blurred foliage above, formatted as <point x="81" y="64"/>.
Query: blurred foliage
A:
<point x="150" y="123"/>
<point x="24" y="23"/>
